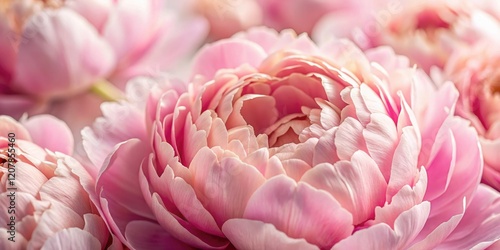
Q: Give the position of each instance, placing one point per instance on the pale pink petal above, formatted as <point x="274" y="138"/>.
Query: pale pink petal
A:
<point x="405" y="161"/>
<point x="50" y="133"/>
<point x="267" y="38"/>
<point x="300" y="211"/>
<point x="349" y="138"/>
<point x="381" y="137"/>
<point x="72" y="238"/>
<point x="325" y="150"/>
<point x="225" y="55"/>
<point x="63" y="190"/>
<point x="19" y="244"/>
<point x="36" y="178"/>
<point x="182" y="230"/>
<point x="96" y="226"/>
<point x="9" y="125"/>
<point x="381" y="236"/>
<point x="366" y="102"/>
<point x="358" y="185"/>
<point x="225" y="186"/>
<point x="23" y="205"/>
<point x="53" y="220"/>
<point x="387" y="58"/>
<point x="490" y="152"/>
<point x="250" y="234"/>
<point x="295" y="168"/>
<point x="406" y="198"/>
<point x="409" y="224"/>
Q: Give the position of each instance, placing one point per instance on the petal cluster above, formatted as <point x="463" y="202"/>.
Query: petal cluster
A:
<point x="45" y="190"/>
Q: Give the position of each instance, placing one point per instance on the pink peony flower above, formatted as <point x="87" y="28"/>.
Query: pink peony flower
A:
<point x="49" y="207"/>
<point x="426" y="31"/>
<point x="475" y="71"/>
<point x="277" y="143"/>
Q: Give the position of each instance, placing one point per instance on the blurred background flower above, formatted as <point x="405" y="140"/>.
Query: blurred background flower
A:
<point x="476" y="73"/>
<point x="425" y="31"/>
<point x="56" y="52"/>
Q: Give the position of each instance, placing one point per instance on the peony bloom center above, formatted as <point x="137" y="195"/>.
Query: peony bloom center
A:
<point x="276" y="107"/>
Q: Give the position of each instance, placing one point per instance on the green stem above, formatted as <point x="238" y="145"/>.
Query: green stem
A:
<point x="107" y="91"/>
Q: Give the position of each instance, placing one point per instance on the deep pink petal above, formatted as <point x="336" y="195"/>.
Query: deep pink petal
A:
<point x="466" y="171"/>
<point x="148" y="235"/>
<point x="480" y="225"/>
<point x="17" y="105"/>
<point x="7" y="46"/>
